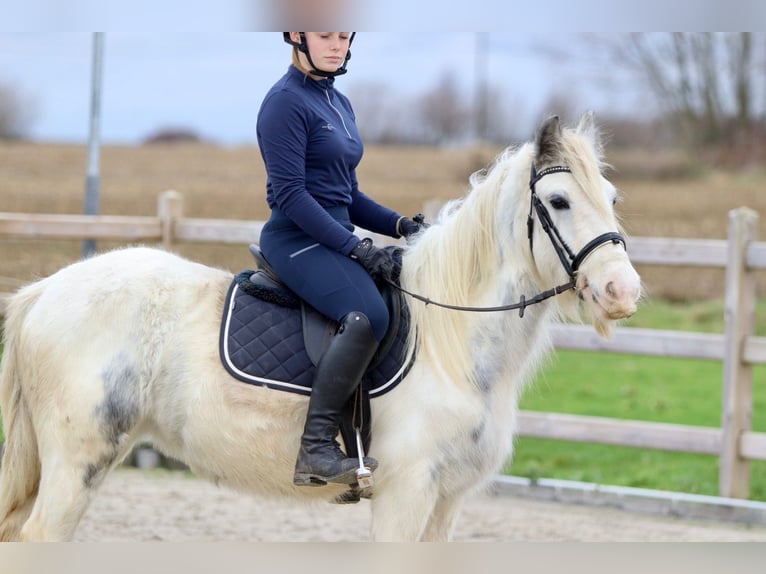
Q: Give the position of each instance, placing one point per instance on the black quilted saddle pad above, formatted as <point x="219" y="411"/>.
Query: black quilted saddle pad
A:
<point x="261" y="343"/>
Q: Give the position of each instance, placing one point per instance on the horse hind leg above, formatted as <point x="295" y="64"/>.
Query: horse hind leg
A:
<point x="20" y="469"/>
<point x="15" y="507"/>
<point x="68" y="483"/>
<point x="79" y="444"/>
<point x="65" y="494"/>
<point x="48" y="474"/>
<point x="14" y="519"/>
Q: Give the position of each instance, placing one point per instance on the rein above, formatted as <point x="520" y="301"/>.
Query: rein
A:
<point x="570" y="261"/>
<point x="521" y="305"/>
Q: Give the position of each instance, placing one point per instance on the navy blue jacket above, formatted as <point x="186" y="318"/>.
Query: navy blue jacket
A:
<point x="310" y="144"/>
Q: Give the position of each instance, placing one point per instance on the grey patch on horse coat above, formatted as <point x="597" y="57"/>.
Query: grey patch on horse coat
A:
<point x="94" y="472"/>
<point x="486" y="375"/>
<point x="477" y="434"/>
<point x="119" y="410"/>
<point x="436" y="472"/>
<point x="488" y="366"/>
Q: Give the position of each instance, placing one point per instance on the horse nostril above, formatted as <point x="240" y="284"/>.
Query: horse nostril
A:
<point x="610" y="290"/>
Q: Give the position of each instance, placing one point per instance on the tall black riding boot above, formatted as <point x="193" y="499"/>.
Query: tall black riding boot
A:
<point x="320" y="459"/>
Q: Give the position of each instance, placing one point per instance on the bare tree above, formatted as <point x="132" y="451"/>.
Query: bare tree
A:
<point x="707" y="82"/>
<point x="382" y="116"/>
<point x="445" y="115"/>
<point x="501" y="115"/>
<point x="741" y="46"/>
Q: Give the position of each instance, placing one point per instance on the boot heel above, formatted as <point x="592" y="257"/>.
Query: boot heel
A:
<point x="312" y="479"/>
<point x="305" y="479"/>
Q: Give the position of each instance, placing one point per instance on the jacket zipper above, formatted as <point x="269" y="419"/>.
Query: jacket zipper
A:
<point x="337" y="111"/>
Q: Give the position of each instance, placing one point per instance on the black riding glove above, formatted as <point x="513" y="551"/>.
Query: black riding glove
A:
<point x="378" y="262"/>
<point x="405" y="227"/>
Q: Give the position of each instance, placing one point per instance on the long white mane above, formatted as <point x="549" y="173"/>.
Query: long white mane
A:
<point x="457" y="254"/>
<point x="460" y="258"/>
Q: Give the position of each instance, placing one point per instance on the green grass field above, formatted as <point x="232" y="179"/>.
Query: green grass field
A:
<point x="655" y="389"/>
<point x="643" y="388"/>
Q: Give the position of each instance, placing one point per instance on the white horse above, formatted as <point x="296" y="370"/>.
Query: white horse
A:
<point x="125" y="345"/>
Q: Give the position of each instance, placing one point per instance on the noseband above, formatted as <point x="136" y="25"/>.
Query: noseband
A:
<point x="568" y="258"/>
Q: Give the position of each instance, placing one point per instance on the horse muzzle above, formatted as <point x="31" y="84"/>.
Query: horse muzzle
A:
<point x="616" y="295"/>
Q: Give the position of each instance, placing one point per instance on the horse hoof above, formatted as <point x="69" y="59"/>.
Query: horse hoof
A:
<point x="349" y="497"/>
<point x="353" y="495"/>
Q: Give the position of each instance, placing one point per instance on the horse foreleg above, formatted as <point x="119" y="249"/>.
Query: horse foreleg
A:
<point x="402" y="506"/>
<point x="443" y="519"/>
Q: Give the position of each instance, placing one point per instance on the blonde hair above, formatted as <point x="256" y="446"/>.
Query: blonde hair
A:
<point x="297" y="61"/>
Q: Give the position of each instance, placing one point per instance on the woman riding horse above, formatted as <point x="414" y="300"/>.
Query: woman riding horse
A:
<point x="310" y="145"/>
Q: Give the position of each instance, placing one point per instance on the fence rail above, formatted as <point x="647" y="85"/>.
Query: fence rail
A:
<point x="737" y="348"/>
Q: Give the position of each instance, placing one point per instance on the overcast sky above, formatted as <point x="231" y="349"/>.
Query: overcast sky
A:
<point x="213" y="82"/>
<point x="505" y="16"/>
<point x="194" y="67"/>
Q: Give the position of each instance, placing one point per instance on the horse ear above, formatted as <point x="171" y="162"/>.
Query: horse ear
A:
<point x="548" y="143"/>
<point x="588" y="128"/>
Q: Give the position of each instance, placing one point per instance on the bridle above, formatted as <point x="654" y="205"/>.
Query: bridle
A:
<point x="568" y="258"/>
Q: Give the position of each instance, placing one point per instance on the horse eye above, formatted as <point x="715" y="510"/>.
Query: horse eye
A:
<point x="558" y="202"/>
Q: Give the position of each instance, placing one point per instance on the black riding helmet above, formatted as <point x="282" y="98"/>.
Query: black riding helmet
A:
<point x="303" y="47"/>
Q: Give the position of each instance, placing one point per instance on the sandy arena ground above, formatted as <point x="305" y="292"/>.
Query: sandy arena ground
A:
<point x="136" y="505"/>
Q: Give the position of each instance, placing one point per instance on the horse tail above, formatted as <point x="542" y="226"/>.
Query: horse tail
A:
<point x="20" y="465"/>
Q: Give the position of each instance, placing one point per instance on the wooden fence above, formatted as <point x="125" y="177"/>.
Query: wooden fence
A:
<point x="737" y="349"/>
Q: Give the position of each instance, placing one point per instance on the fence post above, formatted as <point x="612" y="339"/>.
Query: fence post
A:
<point x="737" y="403"/>
<point x="170" y="208"/>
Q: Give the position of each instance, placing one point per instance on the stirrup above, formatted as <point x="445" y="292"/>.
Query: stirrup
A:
<point x="352" y="475"/>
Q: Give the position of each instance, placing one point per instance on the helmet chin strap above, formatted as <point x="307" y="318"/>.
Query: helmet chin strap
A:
<point x="304" y="48"/>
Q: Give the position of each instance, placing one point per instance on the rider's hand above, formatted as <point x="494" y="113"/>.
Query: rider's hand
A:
<point x="406" y="227"/>
<point x="379" y="263"/>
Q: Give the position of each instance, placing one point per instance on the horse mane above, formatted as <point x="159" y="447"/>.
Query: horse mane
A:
<point x="455" y="255"/>
<point x="453" y="260"/>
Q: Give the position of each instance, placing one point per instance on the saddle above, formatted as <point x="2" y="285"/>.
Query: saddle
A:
<point x="270" y="337"/>
<point x="318" y="330"/>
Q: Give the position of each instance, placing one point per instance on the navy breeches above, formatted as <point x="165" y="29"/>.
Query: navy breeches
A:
<point x="331" y="282"/>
